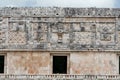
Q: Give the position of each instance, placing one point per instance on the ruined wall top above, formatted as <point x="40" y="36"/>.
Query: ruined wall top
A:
<point x="59" y="12"/>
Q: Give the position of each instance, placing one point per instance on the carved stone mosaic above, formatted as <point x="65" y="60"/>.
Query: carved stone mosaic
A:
<point x="16" y="38"/>
<point x="106" y="34"/>
<point x="3" y="32"/>
<point x="60" y="28"/>
<point x="82" y="38"/>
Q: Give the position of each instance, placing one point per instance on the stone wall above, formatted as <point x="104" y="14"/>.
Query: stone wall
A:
<point x="94" y="63"/>
<point x="28" y="63"/>
<point x="91" y="36"/>
<point x="59" y="28"/>
<point x="59" y="12"/>
<point x="83" y="63"/>
<point x="60" y="33"/>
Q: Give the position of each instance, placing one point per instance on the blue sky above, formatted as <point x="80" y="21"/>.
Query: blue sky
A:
<point x="61" y="3"/>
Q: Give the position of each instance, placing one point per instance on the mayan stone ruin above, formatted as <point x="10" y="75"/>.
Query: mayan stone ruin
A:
<point x="54" y="40"/>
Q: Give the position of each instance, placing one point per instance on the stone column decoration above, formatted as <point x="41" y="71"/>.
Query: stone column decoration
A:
<point x="93" y="29"/>
<point x="3" y="32"/>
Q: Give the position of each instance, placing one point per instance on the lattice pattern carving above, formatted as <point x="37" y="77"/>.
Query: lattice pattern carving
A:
<point x="16" y="38"/>
<point x="82" y="38"/>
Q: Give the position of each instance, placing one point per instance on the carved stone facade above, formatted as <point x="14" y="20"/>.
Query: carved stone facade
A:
<point x="89" y="37"/>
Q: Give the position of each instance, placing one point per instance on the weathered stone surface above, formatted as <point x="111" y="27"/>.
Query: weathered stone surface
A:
<point x="83" y="63"/>
<point x="60" y="28"/>
<point x="55" y="11"/>
<point x="28" y="63"/>
<point x="96" y="63"/>
<point x="89" y="37"/>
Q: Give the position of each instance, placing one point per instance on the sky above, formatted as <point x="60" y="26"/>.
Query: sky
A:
<point x="61" y="3"/>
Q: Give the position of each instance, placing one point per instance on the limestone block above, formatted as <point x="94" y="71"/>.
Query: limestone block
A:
<point x="28" y="63"/>
<point x="98" y="63"/>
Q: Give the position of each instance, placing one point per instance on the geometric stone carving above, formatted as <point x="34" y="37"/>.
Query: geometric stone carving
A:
<point x="60" y="27"/>
<point x="13" y="26"/>
<point x="105" y="34"/>
<point x="35" y="36"/>
<point x="105" y="37"/>
<point x="60" y="31"/>
<point x="105" y="30"/>
<point x="118" y="28"/>
<point x="1" y="38"/>
<point x="21" y="26"/>
<point x="17" y="26"/>
<point x="1" y="19"/>
<point x="82" y="38"/>
<point x="71" y="27"/>
<point x="16" y="38"/>
<point x="93" y="28"/>
<point x="39" y="32"/>
<point x="82" y="29"/>
<point x="39" y="46"/>
<point x="40" y="37"/>
<point x="60" y="36"/>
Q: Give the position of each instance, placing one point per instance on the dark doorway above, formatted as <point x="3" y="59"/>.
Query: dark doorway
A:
<point x="1" y="64"/>
<point x="119" y="64"/>
<point x="59" y="64"/>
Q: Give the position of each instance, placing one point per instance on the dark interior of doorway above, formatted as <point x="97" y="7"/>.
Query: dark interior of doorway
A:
<point x="1" y="64"/>
<point x="59" y="64"/>
<point x="119" y="64"/>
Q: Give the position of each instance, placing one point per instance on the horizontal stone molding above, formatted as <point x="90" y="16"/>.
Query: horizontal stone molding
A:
<point x="59" y="76"/>
<point x="59" y="12"/>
